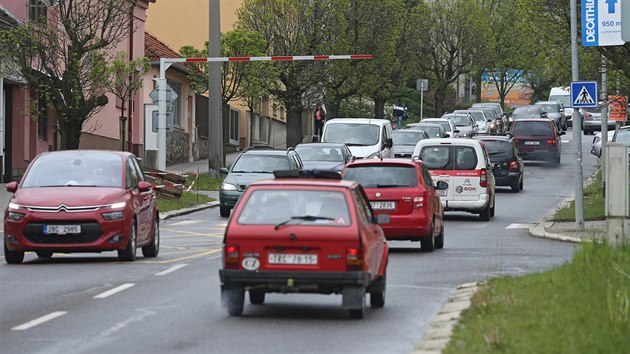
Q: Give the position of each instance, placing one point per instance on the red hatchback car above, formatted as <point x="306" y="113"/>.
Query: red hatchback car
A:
<point x="404" y="190"/>
<point x="81" y="201"/>
<point x="302" y="233"/>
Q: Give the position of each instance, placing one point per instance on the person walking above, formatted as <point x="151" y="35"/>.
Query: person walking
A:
<point x="319" y="117"/>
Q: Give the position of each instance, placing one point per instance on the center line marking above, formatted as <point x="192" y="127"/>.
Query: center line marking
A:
<point x="171" y="269"/>
<point x="114" y="291"/>
<point x="38" y="321"/>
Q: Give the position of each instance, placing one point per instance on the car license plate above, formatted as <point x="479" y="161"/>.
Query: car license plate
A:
<point x="62" y="229"/>
<point x="532" y="143"/>
<point x="291" y="258"/>
<point x="442" y="193"/>
<point x="383" y="205"/>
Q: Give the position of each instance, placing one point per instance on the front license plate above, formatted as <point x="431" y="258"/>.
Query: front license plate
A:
<point x="532" y="143"/>
<point x="62" y="229"/>
<point x="442" y="193"/>
<point x="291" y="258"/>
<point x="383" y="205"/>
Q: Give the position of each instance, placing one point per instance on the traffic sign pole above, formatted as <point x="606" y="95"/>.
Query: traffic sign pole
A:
<point x="577" y="126"/>
<point x="604" y="129"/>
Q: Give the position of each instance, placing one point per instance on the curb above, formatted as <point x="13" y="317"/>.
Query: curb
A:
<point x="538" y="230"/>
<point x="440" y="331"/>
<point x="173" y="213"/>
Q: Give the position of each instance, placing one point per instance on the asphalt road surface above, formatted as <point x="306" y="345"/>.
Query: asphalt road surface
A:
<point x="91" y="303"/>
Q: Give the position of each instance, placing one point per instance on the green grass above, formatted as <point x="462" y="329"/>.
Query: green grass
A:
<point x="187" y="199"/>
<point x="204" y="182"/>
<point x="580" y="307"/>
<point x="594" y="203"/>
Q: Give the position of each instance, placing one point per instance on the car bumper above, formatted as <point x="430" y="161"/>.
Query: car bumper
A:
<point x="293" y="281"/>
<point x="466" y="205"/>
<point x="541" y="156"/>
<point x="229" y="198"/>
<point x="510" y="179"/>
<point x="407" y="227"/>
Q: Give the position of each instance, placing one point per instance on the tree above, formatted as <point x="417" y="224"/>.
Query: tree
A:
<point x="66" y="56"/>
<point x="127" y="79"/>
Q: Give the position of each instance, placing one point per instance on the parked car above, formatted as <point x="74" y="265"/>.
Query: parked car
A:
<point x="555" y="112"/>
<point x="447" y="123"/>
<point x="465" y="123"/>
<point x="596" y="148"/>
<point x="324" y="156"/>
<point x="315" y="234"/>
<point x="464" y="165"/>
<point x="592" y="121"/>
<point x="434" y="130"/>
<point x="405" y="140"/>
<point x="364" y="137"/>
<point x="404" y="191"/>
<point x="81" y="201"/>
<point x="252" y="165"/>
<point x="529" y="111"/>
<point x="507" y="165"/>
<point x="538" y="138"/>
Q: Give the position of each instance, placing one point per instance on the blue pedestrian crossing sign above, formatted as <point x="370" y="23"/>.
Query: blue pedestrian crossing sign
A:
<point x="584" y="94"/>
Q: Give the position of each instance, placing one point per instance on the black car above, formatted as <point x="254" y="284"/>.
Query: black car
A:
<point x="405" y="141"/>
<point x="253" y="165"/>
<point x="324" y="156"/>
<point x="508" y="165"/>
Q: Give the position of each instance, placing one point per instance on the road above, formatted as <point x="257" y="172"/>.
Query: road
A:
<point x="86" y="303"/>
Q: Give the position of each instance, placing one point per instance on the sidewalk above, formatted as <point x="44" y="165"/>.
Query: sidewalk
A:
<point x="200" y="166"/>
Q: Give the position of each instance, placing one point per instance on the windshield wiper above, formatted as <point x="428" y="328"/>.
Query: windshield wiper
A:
<point x="302" y="219"/>
<point x="354" y="144"/>
<point x="260" y="172"/>
<point x="388" y="185"/>
<point x="497" y="153"/>
<point x="240" y="171"/>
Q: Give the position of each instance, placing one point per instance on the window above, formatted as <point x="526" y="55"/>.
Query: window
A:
<point x="234" y="125"/>
<point x="132" y="175"/>
<point x="37" y="11"/>
<point x="42" y="117"/>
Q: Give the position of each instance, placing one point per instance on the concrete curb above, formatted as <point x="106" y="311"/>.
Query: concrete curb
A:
<point x="184" y="211"/>
<point x="437" y="337"/>
<point x="539" y="231"/>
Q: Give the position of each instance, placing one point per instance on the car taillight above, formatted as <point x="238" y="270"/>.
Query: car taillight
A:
<point x="354" y="259"/>
<point x="483" y="178"/>
<point x="587" y="115"/>
<point x="551" y="142"/>
<point x="513" y="166"/>
<point x="230" y="257"/>
<point x="418" y="202"/>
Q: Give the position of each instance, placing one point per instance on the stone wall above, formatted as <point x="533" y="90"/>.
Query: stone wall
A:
<point x="177" y="147"/>
<point x="200" y="149"/>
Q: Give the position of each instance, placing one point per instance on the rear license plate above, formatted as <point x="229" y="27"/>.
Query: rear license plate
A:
<point x="62" y="229"/>
<point x="532" y="143"/>
<point x="383" y="205"/>
<point x="291" y="258"/>
<point x="442" y="193"/>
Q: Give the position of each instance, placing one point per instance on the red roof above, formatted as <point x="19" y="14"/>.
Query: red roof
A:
<point x="154" y="49"/>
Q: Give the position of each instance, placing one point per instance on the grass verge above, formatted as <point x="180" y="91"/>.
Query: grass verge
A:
<point x="204" y="182"/>
<point x="187" y="199"/>
<point x="580" y="307"/>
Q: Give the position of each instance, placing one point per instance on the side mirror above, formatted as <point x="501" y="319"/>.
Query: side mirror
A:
<point x="544" y="115"/>
<point x="441" y="185"/>
<point x="144" y="186"/>
<point x="456" y="131"/>
<point x="447" y="135"/>
<point x="223" y="170"/>
<point x="11" y="187"/>
<point x="383" y="219"/>
<point x="389" y="143"/>
<point x="561" y="133"/>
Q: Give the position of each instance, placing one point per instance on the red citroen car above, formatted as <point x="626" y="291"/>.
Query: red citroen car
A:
<point x="81" y="201"/>
<point x="304" y="232"/>
<point x="404" y="190"/>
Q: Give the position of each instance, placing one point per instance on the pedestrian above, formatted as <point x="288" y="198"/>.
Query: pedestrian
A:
<point x="319" y="117"/>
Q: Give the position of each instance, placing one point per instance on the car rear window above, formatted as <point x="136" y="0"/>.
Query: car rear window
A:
<point x="407" y="137"/>
<point x="352" y="134"/>
<point x="531" y="129"/>
<point x="258" y="163"/>
<point x="317" y="153"/>
<point x="499" y="148"/>
<point x="295" y="206"/>
<point x="382" y="176"/>
<point x="431" y="131"/>
<point x="449" y="157"/>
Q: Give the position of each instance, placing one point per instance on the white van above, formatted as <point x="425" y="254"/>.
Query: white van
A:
<point x="365" y="137"/>
<point x="563" y="95"/>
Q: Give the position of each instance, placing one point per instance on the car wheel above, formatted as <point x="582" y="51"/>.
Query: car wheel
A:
<point x="516" y="187"/>
<point x="233" y="297"/>
<point x="494" y="203"/>
<point x="224" y="211"/>
<point x="427" y="243"/>
<point x="484" y="215"/>
<point x="257" y="297"/>
<point x="377" y="296"/>
<point x="153" y="249"/>
<point x="129" y="253"/>
<point x="13" y="257"/>
<point x="557" y="161"/>
<point x="439" y="240"/>
<point x="520" y="186"/>
<point x="44" y="254"/>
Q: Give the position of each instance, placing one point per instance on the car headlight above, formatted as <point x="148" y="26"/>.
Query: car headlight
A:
<point x="15" y="216"/>
<point x="118" y="205"/>
<point x="227" y="187"/>
<point x="113" y="215"/>
<point x="14" y="206"/>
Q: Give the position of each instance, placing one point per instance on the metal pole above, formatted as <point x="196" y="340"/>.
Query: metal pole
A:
<point x="215" y="114"/>
<point x="161" y="158"/>
<point x="577" y="125"/>
<point x="604" y="129"/>
<point x="421" y="99"/>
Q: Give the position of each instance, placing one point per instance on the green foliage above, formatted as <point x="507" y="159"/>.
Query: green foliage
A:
<point x="187" y="199"/>
<point x="127" y="75"/>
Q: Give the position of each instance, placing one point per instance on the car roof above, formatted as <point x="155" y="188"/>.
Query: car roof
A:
<point x="450" y="141"/>
<point x="87" y="152"/>
<point x="306" y="182"/>
<point x="428" y="124"/>
<point x="387" y="161"/>
<point x="323" y="144"/>
<point x="359" y="120"/>
<point x="548" y="102"/>
<point x="493" y="137"/>
<point x="429" y="120"/>
<point x="265" y="152"/>
<point x="520" y="120"/>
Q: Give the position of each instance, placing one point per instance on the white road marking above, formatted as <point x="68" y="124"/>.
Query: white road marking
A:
<point x="185" y="222"/>
<point x="565" y="141"/>
<point x="113" y="291"/>
<point x="519" y="226"/>
<point x="38" y="321"/>
<point x="171" y="269"/>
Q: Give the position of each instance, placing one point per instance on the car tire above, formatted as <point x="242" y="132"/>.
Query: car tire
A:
<point x="377" y="296"/>
<point x="153" y="249"/>
<point x="233" y="297"/>
<point x="494" y="203"/>
<point x="256" y="297"/>
<point x="13" y="257"/>
<point x="44" y="254"/>
<point x="557" y="161"/>
<point x="129" y="253"/>
<point x="516" y="187"/>
<point x="520" y="186"/>
<point x="427" y="243"/>
<point x="224" y="211"/>
<point x="439" y="240"/>
<point x="484" y="214"/>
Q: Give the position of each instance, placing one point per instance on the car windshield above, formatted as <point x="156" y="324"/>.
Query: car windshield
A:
<point x="352" y="134"/>
<point x="260" y="163"/>
<point x="383" y="176"/>
<point x="77" y="169"/>
<point x="319" y="153"/>
<point x="564" y="99"/>
<point x="531" y="129"/>
<point x="432" y="131"/>
<point x="550" y="107"/>
<point x="526" y="111"/>
<point x="461" y="121"/>
<point x="295" y="206"/>
<point x="407" y="137"/>
<point x="499" y="149"/>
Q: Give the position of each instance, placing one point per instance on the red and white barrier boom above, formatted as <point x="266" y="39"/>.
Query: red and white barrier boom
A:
<point x="165" y="63"/>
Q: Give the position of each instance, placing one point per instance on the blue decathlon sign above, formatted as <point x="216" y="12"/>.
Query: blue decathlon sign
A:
<point x="601" y="23"/>
<point x="583" y="94"/>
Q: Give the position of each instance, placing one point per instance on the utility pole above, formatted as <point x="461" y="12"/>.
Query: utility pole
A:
<point x="577" y="125"/>
<point x="604" y="129"/>
<point x="215" y="114"/>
